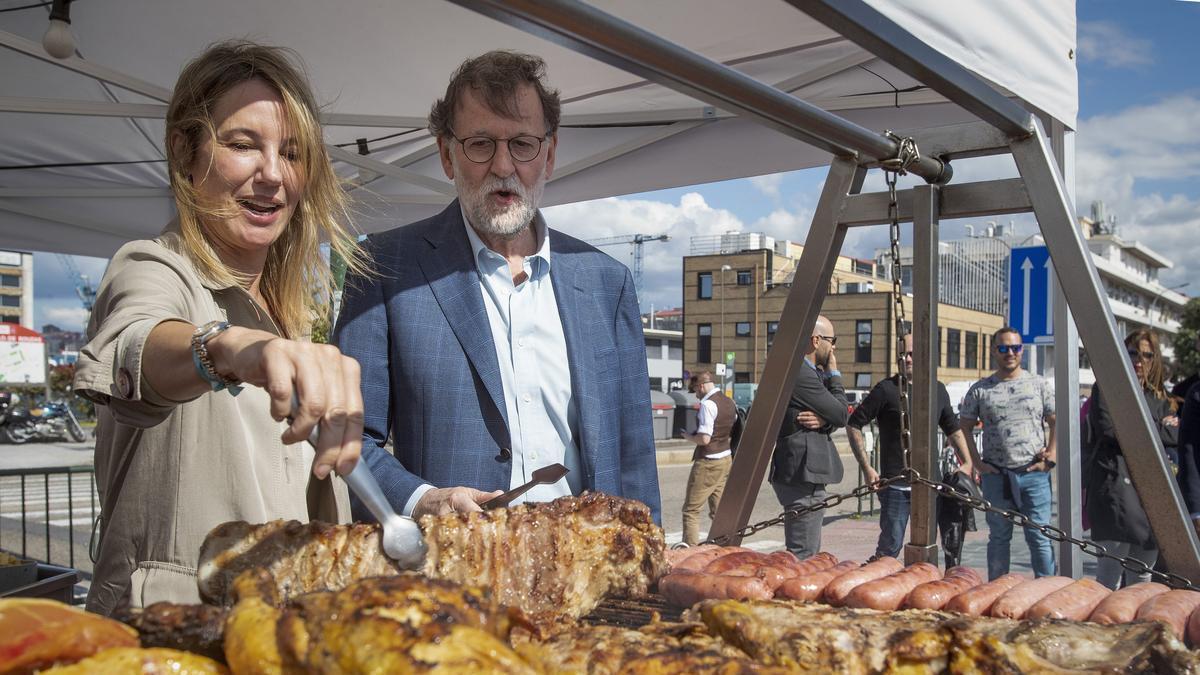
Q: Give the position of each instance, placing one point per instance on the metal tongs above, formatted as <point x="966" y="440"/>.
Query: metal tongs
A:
<point x="401" y="536"/>
<point x="550" y="473"/>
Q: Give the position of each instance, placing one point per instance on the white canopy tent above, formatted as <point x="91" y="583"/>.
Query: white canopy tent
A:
<point x="89" y="129"/>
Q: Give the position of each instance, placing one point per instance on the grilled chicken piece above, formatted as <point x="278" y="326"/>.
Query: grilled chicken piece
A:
<point x="143" y="662"/>
<point x="553" y="560"/>
<point x="37" y="633"/>
<point x="398" y="624"/>
<point x="659" y="649"/>
<point x="198" y="629"/>
<point x="821" y="639"/>
<point x="301" y="557"/>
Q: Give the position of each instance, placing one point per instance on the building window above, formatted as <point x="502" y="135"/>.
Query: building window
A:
<point x="10" y="280"/>
<point x="862" y="341"/>
<point x="972" y="359"/>
<point x="653" y="348"/>
<point x="772" y="328"/>
<point x="862" y="380"/>
<point x="656" y="384"/>
<point x="742" y="329"/>
<point x="675" y="350"/>
<point x="953" y="347"/>
<point x="744" y="277"/>
<point x="991" y="354"/>
<point x="704" y="344"/>
<point x="704" y="285"/>
<point x="10" y="301"/>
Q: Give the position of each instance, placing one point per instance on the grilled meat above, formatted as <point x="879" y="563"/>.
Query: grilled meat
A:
<point x="556" y="559"/>
<point x="399" y="624"/>
<point x="198" y="629"/>
<point x="143" y="662"/>
<point x="37" y="633"/>
<point x="817" y="638"/>
<point x="300" y="557"/>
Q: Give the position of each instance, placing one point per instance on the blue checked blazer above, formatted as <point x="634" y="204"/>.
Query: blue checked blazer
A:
<point x="430" y="377"/>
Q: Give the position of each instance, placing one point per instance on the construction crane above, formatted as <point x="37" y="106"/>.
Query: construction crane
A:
<point x="83" y="285"/>
<point x="636" y="240"/>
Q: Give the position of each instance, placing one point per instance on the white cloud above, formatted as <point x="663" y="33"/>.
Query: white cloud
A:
<point x="768" y="184"/>
<point x="65" y="317"/>
<point x="691" y="217"/>
<point x="1107" y="43"/>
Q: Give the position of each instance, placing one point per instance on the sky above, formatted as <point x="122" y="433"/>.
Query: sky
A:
<point x="1137" y="148"/>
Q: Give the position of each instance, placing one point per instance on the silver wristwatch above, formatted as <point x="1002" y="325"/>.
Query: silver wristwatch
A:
<point x="203" y="362"/>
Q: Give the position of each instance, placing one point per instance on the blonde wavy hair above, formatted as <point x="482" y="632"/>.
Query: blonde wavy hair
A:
<point x="296" y="281"/>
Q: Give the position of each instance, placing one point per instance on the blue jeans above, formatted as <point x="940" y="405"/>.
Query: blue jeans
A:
<point x="1035" y="503"/>
<point x="894" y="507"/>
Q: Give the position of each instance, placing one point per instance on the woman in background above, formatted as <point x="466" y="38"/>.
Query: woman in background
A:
<point x="224" y="298"/>
<point x="1119" y="522"/>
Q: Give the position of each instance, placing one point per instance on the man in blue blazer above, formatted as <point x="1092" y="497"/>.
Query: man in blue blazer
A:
<point x="491" y="345"/>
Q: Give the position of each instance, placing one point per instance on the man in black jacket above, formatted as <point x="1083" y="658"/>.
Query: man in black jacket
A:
<point x="805" y="458"/>
<point x="883" y="404"/>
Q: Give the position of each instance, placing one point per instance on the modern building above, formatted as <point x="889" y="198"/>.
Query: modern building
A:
<point x="665" y="319"/>
<point x="664" y="359"/>
<point x="16" y="288"/>
<point x="733" y="298"/>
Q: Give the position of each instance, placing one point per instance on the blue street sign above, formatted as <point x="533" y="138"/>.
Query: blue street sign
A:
<point x="1030" y="294"/>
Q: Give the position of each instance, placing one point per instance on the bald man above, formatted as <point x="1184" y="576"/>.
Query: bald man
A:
<point x="805" y="458"/>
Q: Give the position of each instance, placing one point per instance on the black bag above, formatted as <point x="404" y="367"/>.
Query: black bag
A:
<point x="735" y="432"/>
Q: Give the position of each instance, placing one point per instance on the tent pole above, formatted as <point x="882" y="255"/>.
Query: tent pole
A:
<point x="786" y="357"/>
<point x="1080" y="284"/>
<point x="602" y="36"/>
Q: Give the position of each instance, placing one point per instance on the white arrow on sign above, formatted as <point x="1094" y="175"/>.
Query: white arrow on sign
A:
<point x="1026" y="267"/>
<point x="1049" y="297"/>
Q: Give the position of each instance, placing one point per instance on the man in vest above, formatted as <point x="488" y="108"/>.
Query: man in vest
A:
<point x="713" y="456"/>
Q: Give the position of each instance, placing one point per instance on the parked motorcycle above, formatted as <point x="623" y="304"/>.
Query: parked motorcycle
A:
<point x="52" y="422"/>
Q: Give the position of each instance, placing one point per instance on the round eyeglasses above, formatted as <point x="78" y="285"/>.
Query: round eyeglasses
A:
<point x="481" y="149"/>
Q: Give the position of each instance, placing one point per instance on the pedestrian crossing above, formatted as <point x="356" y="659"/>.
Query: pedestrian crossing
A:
<point x="61" y="503"/>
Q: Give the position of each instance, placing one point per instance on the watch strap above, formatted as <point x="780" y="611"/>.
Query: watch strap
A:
<point x="203" y="361"/>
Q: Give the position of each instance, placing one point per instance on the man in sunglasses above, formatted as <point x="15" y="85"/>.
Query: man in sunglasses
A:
<point x="1018" y="452"/>
<point x="491" y="345"/>
<point x="883" y="404"/>
<point x="805" y="459"/>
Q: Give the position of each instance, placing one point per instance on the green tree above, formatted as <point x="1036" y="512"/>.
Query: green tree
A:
<point x="1187" y="359"/>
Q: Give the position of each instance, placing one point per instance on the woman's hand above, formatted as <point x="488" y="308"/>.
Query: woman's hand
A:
<point x="323" y="380"/>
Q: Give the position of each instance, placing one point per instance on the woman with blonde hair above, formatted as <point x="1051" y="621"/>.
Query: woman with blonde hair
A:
<point x="198" y="349"/>
<point x="1118" y="520"/>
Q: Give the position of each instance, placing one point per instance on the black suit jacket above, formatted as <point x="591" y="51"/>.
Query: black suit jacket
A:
<point x="809" y="455"/>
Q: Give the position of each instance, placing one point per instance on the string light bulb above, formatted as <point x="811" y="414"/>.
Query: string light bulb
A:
<point x="58" y="40"/>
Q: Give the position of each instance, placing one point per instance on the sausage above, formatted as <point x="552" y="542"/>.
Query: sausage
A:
<point x="773" y="575"/>
<point x="1076" y="601"/>
<point x="935" y="594"/>
<point x="816" y="563"/>
<point x="837" y="590"/>
<point x="687" y="588"/>
<point x="977" y="601"/>
<point x="1122" y="606"/>
<point x="810" y="586"/>
<point x="723" y="564"/>
<point x="1172" y="608"/>
<point x="698" y="561"/>
<point x="1193" y="628"/>
<point x="1018" y="599"/>
<point x="890" y="591"/>
<point x="677" y="555"/>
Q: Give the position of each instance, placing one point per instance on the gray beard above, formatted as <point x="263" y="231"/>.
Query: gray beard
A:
<point x="507" y="223"/>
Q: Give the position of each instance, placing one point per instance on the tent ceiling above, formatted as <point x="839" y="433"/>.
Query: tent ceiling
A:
<point x="379" y="66"/>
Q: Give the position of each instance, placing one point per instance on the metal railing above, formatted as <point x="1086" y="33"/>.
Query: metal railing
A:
<point x="33" y="488"/>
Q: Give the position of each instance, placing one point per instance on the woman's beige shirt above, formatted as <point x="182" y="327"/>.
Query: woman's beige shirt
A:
<point x="170" y="471"/>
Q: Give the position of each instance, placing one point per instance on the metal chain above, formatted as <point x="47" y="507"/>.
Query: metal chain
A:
<point x="797" y="511"/>
<point x="1052" y="533"/>
<point x="898" y="313"/>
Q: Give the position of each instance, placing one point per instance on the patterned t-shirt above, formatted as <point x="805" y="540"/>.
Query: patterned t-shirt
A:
<point x="1012" y="412"/>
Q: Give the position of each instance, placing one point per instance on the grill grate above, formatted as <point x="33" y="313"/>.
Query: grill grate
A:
<point x="632" y="612"/>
